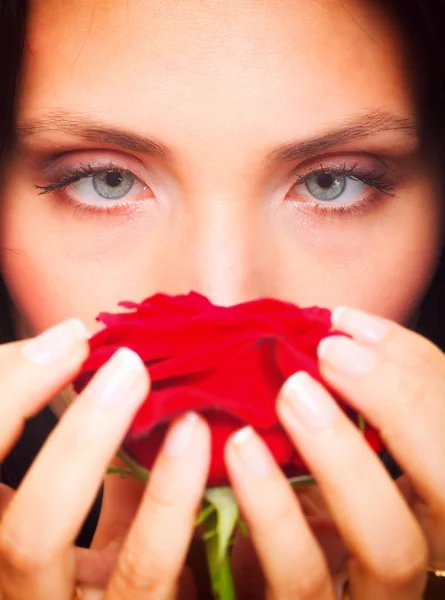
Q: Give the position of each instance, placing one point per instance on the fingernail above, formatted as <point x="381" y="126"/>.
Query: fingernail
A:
<point x="180" y="435"/>
<point x="346" y="356"/>
<point x="56" y="343"/>
<point x="251" y="452"/>
<point x="362" y="326"/>
<point x="308" y="402"/>
<point x="120" y="381"/>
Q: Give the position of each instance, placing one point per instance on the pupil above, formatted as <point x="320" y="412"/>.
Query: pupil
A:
<point x="113" y="179"/>
<point x="326" y="180"/>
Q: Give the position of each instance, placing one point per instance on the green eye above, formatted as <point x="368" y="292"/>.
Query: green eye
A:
<point x="112" y="184"/>
<point x="326" y="186"/>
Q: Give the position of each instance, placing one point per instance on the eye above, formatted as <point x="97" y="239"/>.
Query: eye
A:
<point x="327" y="186"/>
<point x="112" y="184"/>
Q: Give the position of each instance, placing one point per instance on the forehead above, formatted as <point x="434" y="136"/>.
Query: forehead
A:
<point x="249" y="61"/>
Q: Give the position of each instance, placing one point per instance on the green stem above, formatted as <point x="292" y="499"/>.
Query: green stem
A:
<point x="65" y="397"/>
<point x="220" y="569"/>
<point x="302" y="481"/>
<point x="117" y="470"/>
<point x="219" y="517"/>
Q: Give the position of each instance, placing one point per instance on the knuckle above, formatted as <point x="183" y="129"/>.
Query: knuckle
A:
<point x="411" y="391"/>
<point x="160" y="500"/>
<point x="437" y="509"/>
<point x="10" y="359"/>
<point x="138" y="575"/>
<point x="282" y="510"/>
<point x="78" y="429"/>
<point x="435" y="506"/>
<point x="307" y="584"/>
<point x="19" y="555"/>
<point x="421" y="355"/>
<point x="279" y="514"/>
<point x="400" y="570"/>
<point x="71" y="445"/>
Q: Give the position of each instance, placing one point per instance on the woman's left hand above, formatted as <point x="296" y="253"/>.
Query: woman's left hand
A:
<point x="393" y="531"/>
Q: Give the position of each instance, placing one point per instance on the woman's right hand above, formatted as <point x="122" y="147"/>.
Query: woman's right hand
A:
<point x="40" y="521"/>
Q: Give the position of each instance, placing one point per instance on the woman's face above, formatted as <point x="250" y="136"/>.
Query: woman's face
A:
<point x="239" y="149"/>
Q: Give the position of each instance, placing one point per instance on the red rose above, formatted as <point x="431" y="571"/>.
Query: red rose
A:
<point x="225" y="363"/>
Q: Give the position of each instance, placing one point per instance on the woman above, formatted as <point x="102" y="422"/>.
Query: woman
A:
<point x="242" y="150"/>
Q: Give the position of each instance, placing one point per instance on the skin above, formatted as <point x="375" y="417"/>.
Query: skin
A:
<point x="222" y="87"/>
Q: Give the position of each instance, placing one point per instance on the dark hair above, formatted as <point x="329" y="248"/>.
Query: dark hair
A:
<point x="12" y="39"/>
<point x="423" y="22"/>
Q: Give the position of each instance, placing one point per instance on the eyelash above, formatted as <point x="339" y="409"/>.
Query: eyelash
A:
<point x="371" y="177"/>
<point x="77" y="173"/>
<point x="378" y="180"/>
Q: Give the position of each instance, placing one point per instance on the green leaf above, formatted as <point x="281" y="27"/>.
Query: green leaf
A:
<point x="133" y="467"/>
<point x="204" y="514"/>
<point x="210" y="534"/>
<point x="243" y="528"/>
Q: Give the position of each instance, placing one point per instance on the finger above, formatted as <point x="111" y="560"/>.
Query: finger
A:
<point x="402" y="396"/>
<point x="404" y="346"/>
<point x="64" y="480"/>
<point x="32" y="372"/>
<point x="155" y="550"/>
<point x="432" y="526"/>
<point x="374" y="519"/>
<point x="398" y="383"/>
<point x="293" y="563"/>
<point x="186" y="588"/>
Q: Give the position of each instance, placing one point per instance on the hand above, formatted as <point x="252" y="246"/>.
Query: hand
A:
<point x="393" y="531"/>
<point x="39" y="522"/>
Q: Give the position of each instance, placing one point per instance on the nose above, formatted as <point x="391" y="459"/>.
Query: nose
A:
<point x="220" y="253"/>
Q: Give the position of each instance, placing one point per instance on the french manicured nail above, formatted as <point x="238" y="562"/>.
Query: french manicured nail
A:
<point x="251" y="453"/>
<point x="120" y="381"/>
<point x="180" y="435"/>
<point x="56" y="343"/>
<point x="362" y="326"/>
<point x="346" y="356"/>
<point x="307" y="402"/>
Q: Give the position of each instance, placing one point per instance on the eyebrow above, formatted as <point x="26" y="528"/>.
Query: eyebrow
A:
<point x="85" y="128"/>
<point x="353" y="130"/>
